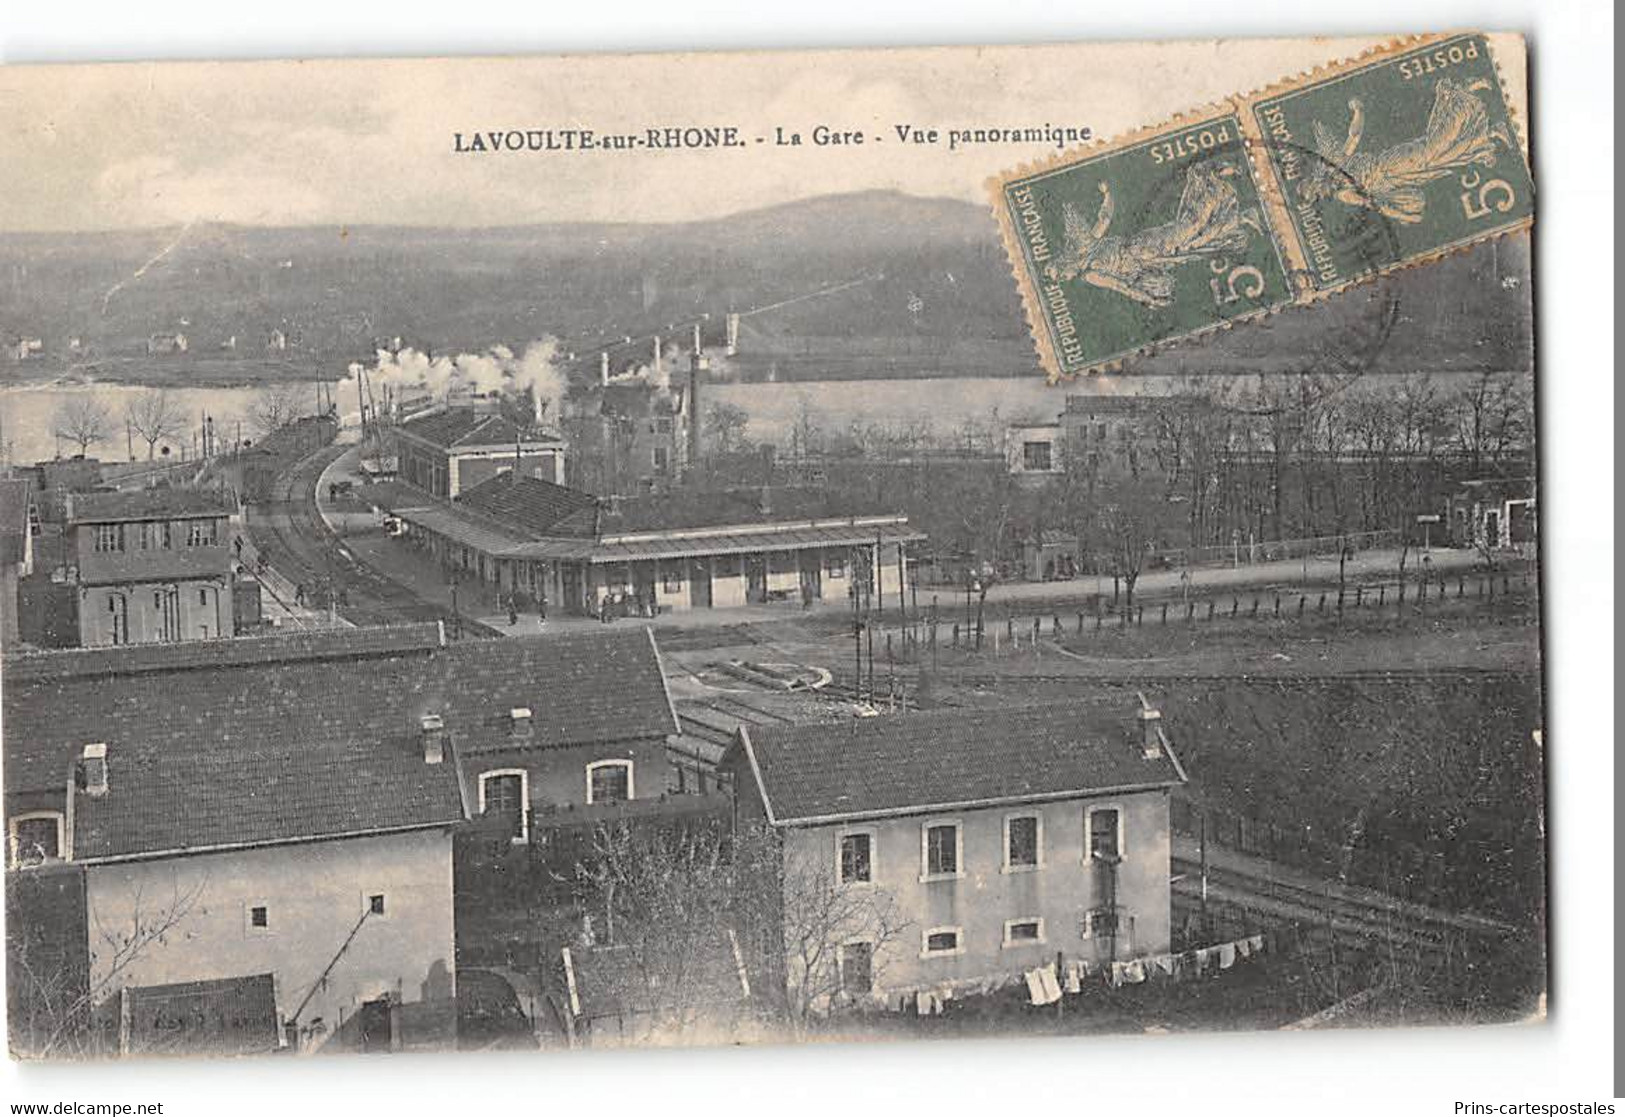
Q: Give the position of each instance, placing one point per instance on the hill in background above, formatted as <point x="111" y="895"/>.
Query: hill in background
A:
<point x="916" y="286"/>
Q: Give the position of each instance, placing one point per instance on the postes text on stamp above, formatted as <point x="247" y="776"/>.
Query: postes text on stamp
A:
<point x="1423" y="138"/>
<point x="1155" y="239"/>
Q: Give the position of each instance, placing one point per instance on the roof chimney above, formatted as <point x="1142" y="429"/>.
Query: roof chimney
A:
<point x="94" y="764"/>
<point x="519" y="719"/>
<point x="1150" y="730"/>
<point x="433" y="734"/>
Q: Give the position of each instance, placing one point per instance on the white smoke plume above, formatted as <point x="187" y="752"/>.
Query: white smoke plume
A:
<point x="495" y="372"/>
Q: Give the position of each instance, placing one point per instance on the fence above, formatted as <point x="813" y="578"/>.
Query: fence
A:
<point x="922" y="636"/>
<point x="1241" y="553"/>
<point x="1410" y="874"/>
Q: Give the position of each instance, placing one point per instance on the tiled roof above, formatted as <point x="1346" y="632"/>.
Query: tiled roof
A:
<point x="538" y="506"/>
<point x="13" y="520"/>
<point x="268" y="751"/>
<point x="733" y="507"/>
<point x="905" y="763"/>
<point x="325" y="643"/>
<point x="749" y="540"/>
<point x="464" y="426"/>
<point x="581" y="689"/>
<point x="535" y="519"/>
<point x="152" y="504"/>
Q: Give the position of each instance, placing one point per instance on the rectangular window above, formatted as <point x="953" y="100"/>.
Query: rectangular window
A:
<point x="835" y="566"/>
<point x="1100" y="922"/>
<point x="857" y="963"/>
<point x="661" y="458"/>
<point x="1018" y="932"/>
<point x="109" y="537"/>
<point x="941" y="940"/>
<point x="942" y="850"/>
<point x="1105" y="834"/>
<point x="502" y="795"/>
<point x="1036" y="457"/>
<point x="375" y="904"/>
<point x="203" y="597"/>
<point x="663" y="425"/>
<point x="259" y="918"/>
<point x="671" y="579"/>
<point x="609" y="781"/>
<point x="1021" y="837"/>
<point x="166" y="535"/>
<point x="201" y="533"/>
<point x="857" y="858"/>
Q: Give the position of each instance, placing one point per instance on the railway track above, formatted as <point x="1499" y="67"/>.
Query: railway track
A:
<point x="292" y="537"/>
<point x="1262" y="894"/>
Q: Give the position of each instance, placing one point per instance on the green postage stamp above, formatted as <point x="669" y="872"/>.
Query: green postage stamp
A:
<point x="1270" y="199"/>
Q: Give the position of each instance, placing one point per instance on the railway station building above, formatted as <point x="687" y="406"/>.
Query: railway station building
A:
<point x="660" y="553"/>
<point x="447" y="452"/>
<point x="153" y="565"/>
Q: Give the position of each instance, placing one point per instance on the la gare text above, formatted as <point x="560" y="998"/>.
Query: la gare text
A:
<point x="705" y="138"/>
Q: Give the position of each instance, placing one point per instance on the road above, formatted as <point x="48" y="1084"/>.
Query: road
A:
<point x="1368" y="568"/>
<point x="295" y="541"/>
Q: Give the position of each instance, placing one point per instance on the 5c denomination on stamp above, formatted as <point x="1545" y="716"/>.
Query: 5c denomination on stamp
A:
<point x="1163" y="236"/>
<point x="1423" y="138"/>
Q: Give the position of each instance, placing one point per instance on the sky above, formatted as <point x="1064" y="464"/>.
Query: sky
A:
<point x="142" y="145"/>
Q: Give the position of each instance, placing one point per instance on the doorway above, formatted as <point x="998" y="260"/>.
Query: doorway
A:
<point x="812" y="576"/>
<point x="755" y="579"/>
<point x="377" y="1026"/>
<point x="643" y="587"/>
<point x="699" y="583"/>
<point x="168" y="602"/>
<point x="119" y="607"/>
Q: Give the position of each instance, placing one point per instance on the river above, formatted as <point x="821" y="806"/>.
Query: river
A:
<point x="27" y="411"/>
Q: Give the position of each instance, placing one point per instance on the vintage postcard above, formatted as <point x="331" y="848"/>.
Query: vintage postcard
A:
<point x="546" y="553"/>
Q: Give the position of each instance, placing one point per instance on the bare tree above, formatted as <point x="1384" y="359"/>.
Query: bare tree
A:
<point x="1492" y="418"/>
<point x="725" y="425"/>
<point x="663" y="900"/>
<point x="686" y="907"/>
<point x="55" y="998"/>
<point x="807" y="435"/>
<point x="818" y="918"/>
<point x="84" y="421"/>
<point x="155" y="416"/>
<point x="1125" y="532"/>
<point x="275" y="407"/>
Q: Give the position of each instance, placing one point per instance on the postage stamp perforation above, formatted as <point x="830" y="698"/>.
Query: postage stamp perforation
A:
<point x="1106" y="145"/>
<point x="1315" y="297"/>
<point x="1036" y="326"/>
<point x="1381" y="52"/>
<point x="1371" y="55"/>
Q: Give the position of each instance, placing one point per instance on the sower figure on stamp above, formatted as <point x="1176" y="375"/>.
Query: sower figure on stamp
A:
<point x="1209" y="221"/>
<point x="1458" y="135"/>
